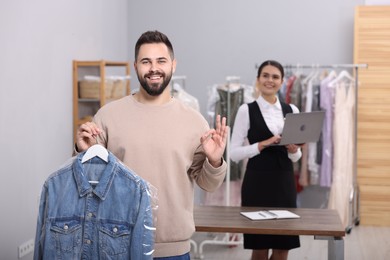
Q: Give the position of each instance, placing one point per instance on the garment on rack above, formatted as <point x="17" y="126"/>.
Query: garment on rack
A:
<point x="185" y="97"/>
<point x="313" y="104"/>
<point x="295" y="94"/>
<point x="303" y="91"/>
<point x="78" y="220"/>
<point x="282" y="92"/>
<point x="289" y="85"/>
<point x="336" y="155"/>
<point x="343" y="139"/>
<point x="225" y="99"/>
<point x="242" y="93"/>
<point x="227" y="106"/>
<point x="304" y="178"/>
<point x="228" y="103"/>
<point x="214" y="98"/>
<point x="327" y="104"/>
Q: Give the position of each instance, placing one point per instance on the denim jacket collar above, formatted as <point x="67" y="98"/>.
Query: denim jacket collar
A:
<point x="104" y="185"/>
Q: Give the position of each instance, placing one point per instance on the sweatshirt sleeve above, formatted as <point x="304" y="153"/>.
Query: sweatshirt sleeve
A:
<point x="205" y="175"/>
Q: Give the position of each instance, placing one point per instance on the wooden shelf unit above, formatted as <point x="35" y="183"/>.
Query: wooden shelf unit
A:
<point x="95" y="68"/>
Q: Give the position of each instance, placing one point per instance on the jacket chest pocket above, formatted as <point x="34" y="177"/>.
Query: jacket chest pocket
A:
<point x="66" y="235"/>
<point x="114" y="239"/>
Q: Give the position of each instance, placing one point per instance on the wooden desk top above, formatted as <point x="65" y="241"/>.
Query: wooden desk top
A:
<point x="319" y="222"/>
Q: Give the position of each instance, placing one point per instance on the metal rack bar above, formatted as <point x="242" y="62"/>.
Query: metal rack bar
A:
<point x="322" y="66"/>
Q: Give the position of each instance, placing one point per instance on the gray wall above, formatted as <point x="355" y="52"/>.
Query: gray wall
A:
<point x="215" y="39"/>
<point x="39" y="40"/>
<point x="212" y="39"/>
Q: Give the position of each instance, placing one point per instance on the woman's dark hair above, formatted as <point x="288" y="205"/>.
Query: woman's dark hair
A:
<point x="153" y="37"/>
<point x="272" y="63"/>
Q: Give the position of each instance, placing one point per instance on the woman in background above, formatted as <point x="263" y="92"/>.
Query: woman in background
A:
<point x="269" y="177"/>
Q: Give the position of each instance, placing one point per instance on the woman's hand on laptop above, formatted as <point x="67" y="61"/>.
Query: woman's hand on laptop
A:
<point x="293" y="148"/>
<point x="270" y="141"/>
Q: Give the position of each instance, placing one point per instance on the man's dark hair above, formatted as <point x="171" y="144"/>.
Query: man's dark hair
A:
<point x="153" y="37"/>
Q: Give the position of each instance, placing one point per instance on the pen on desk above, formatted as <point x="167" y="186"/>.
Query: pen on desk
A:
<point x="261" y="214"/>
<point x="273" y="214"/>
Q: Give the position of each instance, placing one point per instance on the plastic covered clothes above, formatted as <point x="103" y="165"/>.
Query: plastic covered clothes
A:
<point x="214" y="98"/>
<point x="98" y="209"/>
<point x="225" y="99"/>
<point x="185" y="97"/>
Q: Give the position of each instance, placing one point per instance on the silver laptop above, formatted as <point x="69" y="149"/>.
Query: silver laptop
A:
<point x="302" y="127"/>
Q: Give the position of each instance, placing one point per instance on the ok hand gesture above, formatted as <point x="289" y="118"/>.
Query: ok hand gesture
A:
<point x="214" y="141"/>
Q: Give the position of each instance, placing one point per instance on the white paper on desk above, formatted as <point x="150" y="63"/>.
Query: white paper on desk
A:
<point x="269" y="214"/>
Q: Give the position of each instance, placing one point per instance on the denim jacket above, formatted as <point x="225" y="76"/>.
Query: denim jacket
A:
<point x="110" y="220"/>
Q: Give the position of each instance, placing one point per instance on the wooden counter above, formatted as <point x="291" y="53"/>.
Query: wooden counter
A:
<point x="321" y="223"/>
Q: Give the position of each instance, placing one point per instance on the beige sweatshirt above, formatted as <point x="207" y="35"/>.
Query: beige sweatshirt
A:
<point x="162" y="145"/>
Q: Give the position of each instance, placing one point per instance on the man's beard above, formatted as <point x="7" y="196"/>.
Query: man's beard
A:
<point x="155" y="89"/>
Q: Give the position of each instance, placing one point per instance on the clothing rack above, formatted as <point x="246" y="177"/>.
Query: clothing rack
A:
<point x="354" y="217"/>
<point x="354" y="199"/>
<point x="227" y="239"/>
<point x="322" y="66"/>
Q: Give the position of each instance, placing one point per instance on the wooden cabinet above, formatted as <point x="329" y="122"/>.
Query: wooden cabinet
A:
<point x="372" y="46"/>
<point x="95" y="83"/>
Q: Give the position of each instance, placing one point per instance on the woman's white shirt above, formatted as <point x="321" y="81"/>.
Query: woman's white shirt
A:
<point x="273" y="117"/>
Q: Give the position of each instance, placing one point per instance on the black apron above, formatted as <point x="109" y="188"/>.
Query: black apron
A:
<point x="268" y="181"/>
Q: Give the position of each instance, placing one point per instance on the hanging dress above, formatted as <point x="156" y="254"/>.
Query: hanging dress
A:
<point x="343" y="160"/>
<point x="227" y="106"/>
<point x="327" y="104"/>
